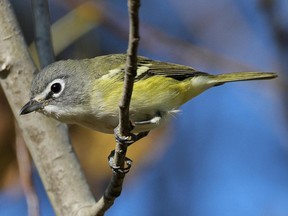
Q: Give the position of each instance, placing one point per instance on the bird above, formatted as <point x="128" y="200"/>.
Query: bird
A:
<point x="87" y="91"/>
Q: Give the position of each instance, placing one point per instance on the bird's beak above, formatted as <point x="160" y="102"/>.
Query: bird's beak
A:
<point x="31" y="106"/>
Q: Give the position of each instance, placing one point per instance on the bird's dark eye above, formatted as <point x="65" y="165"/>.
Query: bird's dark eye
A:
<point x="56" y="88"/>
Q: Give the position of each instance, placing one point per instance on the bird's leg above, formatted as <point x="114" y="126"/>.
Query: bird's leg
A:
<point x="130" y="139"/>
<point x="124" y="141"/>
<point x="150" y="124"/>
<point x="154" y="121"/>
<point x="136" y="137"/>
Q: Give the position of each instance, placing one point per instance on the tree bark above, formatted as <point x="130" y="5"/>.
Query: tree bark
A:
<point x="47" y="139"/>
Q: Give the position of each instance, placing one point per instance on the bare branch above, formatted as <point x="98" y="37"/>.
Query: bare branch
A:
<point x="46" y="139"/>
<point x="131" y="67"/>
<point x="115" y="186"/>
<point x="42" y="32"/>
<point x="46" y="56"/>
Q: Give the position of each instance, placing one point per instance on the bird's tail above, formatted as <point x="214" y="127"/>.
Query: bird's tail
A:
<point x="240" y="76"/>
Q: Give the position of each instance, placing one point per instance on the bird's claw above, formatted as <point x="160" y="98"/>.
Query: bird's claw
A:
<point x="130" y="139"/>
<point x="117" y="169"/>
<point x="124" y="140"/>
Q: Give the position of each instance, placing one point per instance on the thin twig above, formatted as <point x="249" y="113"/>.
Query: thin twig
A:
<point x="131" y="67"/>
<point x="25" y="171"/>
<point x="42" y="32"/>
<point x="125" y="126"/>
<point x="115" y="186"/>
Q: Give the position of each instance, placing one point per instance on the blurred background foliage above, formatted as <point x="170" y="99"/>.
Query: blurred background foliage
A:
<point x="225" y="154"/>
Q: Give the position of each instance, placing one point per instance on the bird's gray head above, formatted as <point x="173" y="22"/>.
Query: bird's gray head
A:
<point x="59" y="89"/>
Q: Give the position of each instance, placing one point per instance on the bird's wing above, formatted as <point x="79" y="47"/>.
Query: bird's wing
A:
<point x="115" y="66"/>
<point x="148" y="68"/>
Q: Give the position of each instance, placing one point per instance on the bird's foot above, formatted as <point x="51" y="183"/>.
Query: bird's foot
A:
<point x="130" y="139"/>
<point x="124" y="142"/>
<point x="118" y="169"/>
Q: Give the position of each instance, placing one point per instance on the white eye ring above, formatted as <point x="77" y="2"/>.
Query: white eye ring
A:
<point x="56" y="87"/>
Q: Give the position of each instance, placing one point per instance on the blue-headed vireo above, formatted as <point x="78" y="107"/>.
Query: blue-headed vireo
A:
<point x="87" y="92"/>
